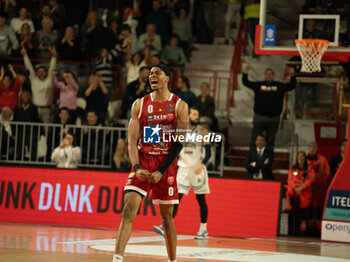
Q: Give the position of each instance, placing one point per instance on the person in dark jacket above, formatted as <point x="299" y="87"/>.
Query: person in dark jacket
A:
<point x="259" y="160"/>
<point x="268" y="104"/>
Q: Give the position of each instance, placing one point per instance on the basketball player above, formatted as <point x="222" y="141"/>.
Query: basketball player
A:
<point x="192" y="172"/>
<point x="154" y="164"/>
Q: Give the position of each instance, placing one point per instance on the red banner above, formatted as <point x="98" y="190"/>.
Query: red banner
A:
<point x="243" y="208"/>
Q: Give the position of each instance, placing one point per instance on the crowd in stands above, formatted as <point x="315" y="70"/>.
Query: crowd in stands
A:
<point x="55" y="37"/>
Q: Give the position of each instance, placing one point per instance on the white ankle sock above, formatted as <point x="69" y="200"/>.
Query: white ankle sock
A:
<point x="171" y="260"/>
<point x="117" y="258"/>
<point x="203" y="227"/>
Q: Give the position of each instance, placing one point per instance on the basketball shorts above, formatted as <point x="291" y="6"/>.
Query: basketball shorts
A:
<point x="165" y="191"/>
<point x="186" y="178"/>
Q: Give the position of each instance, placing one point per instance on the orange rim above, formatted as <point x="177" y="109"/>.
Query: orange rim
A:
<point x="311" y="41"/>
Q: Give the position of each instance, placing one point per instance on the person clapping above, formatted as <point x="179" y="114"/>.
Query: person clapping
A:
<point x="67" y="155"/>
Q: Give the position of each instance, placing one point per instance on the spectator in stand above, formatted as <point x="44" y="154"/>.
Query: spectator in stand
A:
<point x="23" y="78"/>
<point x="206" y="106"/>
<point x="41" y="84"/>
<point x="133" y="65"/>
<point x="150" y="40"/>
<point x="172" y="54"/>
<point x="127" y="40"/>
<point x="104" y="69"/>
<point x="205" y="20"/>
<point x="56" y="133"/>
<point x="45" y="39"/>
<point x="92" y="137"/>
<point x="8" y="40"/>
<point x="68" y="46"/>
<point x="268" y="103"/>
<point x="7" y="8"/>
<point x="67" y="154"/>
<point x="114" y="28"/>
<point x="6" y="134"/>
<point x="45" y="13"/>
<point x="121" y="161"/>
<point x="58" y="14"/>
<point x="95" y="97"/>
<point x="153" y="60"/>
<point x="182" y="25"/>
<point x="232" y="19"/>
<point x="100" y="37"/>
<point x="337" y="159"/>
<point x="259" y="160"/>
<point x="68" y="93"/>
<point x="184" y="92"/>
<point x="135" y="90"/>
<point x="26" y="112"/>
<point x="26" y="39"/>
<point x="319" y="188"/>
<point x="160" y="18"/>
<point x="90" y="24"/>
<point x="17" y="22"/>
<point x="9" y="88"/>
<point x="300" y="178"/>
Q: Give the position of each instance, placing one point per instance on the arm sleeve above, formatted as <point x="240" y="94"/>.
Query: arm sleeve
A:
<point x="291" y="85"/>
<point x="248" y="83"/>
<point x="207" y="155"/>
<point x="247" y="162"/>
<point x="170" y="158"/>
<point x="29" y="66"/>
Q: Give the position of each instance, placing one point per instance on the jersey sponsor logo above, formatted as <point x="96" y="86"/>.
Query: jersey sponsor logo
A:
<point x="170" y="108"/>
<point x="170" y="180"/>
<point x="156" y="117"/>
<point x="151" y="134"/>
<point x="132" y="175"/>
<point x="150" y="109"/>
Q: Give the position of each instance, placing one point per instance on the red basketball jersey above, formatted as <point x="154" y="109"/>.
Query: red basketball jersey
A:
<point x="161" y="115"/>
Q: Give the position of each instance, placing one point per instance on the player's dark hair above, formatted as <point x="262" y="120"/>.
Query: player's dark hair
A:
<point x="164" y="68"/>
<point x="186" y="81"/>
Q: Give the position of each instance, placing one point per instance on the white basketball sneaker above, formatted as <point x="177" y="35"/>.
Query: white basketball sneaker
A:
<point x="201" y="235"/>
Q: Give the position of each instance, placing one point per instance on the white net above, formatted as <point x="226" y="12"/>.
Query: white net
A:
<point x="311" y="52"/>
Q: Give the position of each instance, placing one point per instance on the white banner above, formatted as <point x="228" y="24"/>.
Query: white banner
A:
<point x="335" y="231"/>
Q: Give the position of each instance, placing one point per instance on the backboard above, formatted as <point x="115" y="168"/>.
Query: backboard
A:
<point x="293" y="20"/>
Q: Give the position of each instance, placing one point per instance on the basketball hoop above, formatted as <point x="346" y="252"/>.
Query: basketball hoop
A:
<point x="311" y="52"/>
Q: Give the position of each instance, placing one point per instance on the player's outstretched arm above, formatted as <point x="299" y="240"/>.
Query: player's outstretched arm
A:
<point x="182" y="124"/>
<point x="133" y="135"/>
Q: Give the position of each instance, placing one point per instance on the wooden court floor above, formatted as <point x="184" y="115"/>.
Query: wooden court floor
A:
<point x="47" y="243"/>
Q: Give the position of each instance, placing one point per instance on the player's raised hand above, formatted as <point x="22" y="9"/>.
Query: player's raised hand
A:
<point x="142" y="174"/>
<point x="155" y="177"/>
